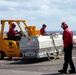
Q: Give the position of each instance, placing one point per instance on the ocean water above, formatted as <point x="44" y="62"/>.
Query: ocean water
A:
<point x="49" y="32"/>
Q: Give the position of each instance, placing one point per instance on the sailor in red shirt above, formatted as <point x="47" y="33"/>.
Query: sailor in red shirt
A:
<point x="68" y="46"/>
<point x="12" y="33"/>
<point x="42" y="30"/>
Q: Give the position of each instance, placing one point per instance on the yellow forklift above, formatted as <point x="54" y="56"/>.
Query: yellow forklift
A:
<point x="10" y="48"/>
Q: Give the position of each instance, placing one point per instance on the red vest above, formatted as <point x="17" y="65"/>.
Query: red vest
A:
<point x="42" y="31"/>
<point x="12" y="32"/>
<point x="67" y="37"/>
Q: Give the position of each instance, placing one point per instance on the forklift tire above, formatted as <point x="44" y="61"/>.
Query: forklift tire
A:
<point x="1" y="56"/>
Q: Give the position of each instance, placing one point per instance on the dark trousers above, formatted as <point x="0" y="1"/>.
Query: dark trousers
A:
<point x="68" y="58"/>
<point x="15" y="38"/>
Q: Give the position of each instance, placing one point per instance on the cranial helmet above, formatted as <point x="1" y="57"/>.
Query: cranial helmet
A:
<point x="13" y="25"/>
<point x="64" y="25"/>
<point x="44" y="25"/>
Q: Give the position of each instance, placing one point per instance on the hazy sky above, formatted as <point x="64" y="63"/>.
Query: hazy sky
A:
<point x="37" y="12"/>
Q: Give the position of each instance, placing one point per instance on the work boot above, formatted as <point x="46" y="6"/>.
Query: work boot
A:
<point x="72" y="71"/>
<point x="62" y="71"/>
